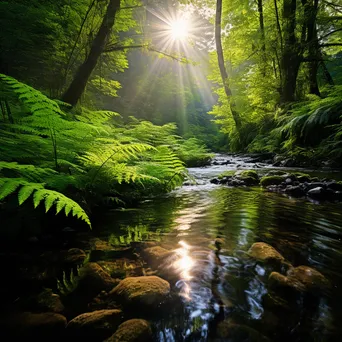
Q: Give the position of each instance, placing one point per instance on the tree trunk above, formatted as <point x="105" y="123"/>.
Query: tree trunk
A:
<point x="223" y="71"/>
<point x="310" y="12"/>
<point x="262" y="33"/>
<point x="327" y="74"/>
<point x="77" y="86"/>
<point x="278" y="24"/>
<point x="291" y="57"/>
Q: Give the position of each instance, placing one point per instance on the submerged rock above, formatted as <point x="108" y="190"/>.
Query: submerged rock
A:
<point x="133" y="330"/>
<point x="103" y="250"/>
<point x="313" y="280"/>
<point x="156" y="255"/>
<point x="277" y="281"/>
<point x="299" y="279"/>
<point x="263" y="252"/>
<point x="148" y="291"/>
<point x="95" y="326"/>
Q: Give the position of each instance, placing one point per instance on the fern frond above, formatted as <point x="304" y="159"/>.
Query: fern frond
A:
<point x="9" y="185"/>
<point x="30" y="172"/>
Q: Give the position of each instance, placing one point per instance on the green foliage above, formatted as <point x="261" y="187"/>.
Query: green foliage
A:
<point x="82" y="155"/>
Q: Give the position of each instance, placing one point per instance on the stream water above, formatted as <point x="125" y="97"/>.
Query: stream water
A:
<point x="217" y="285"/>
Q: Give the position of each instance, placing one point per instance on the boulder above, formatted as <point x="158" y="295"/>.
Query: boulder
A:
<point x="263" y="252"/>
<point x="313" y="280"/>
<point x="301" y="279"/>
<point x="47" y="326"/>
<point x="271" y="180"/>
<point x="334" y="186"/>
<point x="279" y="282"/>
<point x="133" y="330"/>
<point x="94" y="326"/>
<point x="148" y="291"/>
<point x="303" y="179"/>
<point x="295" y="191"/>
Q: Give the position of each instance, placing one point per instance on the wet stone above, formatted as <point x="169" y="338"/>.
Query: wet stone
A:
<point x="94" y="326"/>
<point x="135" y="292"/>
<point x="263" y="252"/>
<point x="133" y="330"/>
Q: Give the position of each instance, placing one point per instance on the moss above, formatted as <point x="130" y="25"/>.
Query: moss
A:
<point x="249" y="173"/>
<point x="271" y="180"/>
<point x="229" y="173"/>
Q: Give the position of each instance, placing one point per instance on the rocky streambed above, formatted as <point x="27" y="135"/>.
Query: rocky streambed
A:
<point x="294" y="184"/>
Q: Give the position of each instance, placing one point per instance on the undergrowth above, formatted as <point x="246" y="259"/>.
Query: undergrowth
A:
<point x="75" y="159"/>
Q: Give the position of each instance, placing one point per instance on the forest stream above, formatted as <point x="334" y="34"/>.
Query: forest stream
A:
<point x="197" y="238"/>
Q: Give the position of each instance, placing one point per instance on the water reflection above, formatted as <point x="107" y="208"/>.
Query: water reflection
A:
<point x="222" y="284"/>
<point x="183" y="265"/>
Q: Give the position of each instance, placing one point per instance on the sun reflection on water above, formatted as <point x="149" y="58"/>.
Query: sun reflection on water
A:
<point x="183" y="264"/>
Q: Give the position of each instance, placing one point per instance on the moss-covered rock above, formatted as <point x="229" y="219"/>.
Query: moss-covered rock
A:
<point x="133" y="330"/>
<point x="228" y="173"/>
<point x="271" y="180"/>
<point x="299" y="279"/>
<point x="313" y="280"/>
<point x="263" y="252"/>
<point x="148" y="291"/>
<point x="249" y="173"/>
<point x="277" y="281"/>
<point x="94" y="326"/>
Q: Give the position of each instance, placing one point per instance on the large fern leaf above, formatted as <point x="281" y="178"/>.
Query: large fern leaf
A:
<point x="9" y="185"/>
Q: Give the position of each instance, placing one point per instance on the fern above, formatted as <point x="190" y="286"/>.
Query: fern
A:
<point x="29" y="172"/>
<point x="50" y="197"/>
